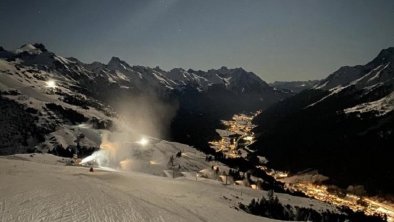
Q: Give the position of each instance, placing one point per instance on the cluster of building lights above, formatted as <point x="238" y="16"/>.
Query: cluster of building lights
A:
<point x="240" y="125"/>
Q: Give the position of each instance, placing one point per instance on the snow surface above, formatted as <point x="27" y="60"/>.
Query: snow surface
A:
<point x="39" y="187"/>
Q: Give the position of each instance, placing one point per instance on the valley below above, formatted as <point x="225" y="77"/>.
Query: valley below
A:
<point x="238" y="135"/>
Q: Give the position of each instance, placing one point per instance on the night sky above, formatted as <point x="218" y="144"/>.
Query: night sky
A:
<point x="278" y="40"/>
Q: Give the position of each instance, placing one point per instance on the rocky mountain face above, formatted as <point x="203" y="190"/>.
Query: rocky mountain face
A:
<point x="343" y="126"/>
<point x="92" y="93"/>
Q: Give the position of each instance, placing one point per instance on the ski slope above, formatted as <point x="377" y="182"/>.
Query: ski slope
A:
<point x="40" y="187"/>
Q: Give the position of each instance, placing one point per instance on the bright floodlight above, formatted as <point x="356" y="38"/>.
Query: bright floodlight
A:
<point x="143" y="141"/>
<point x="51" y="84"/>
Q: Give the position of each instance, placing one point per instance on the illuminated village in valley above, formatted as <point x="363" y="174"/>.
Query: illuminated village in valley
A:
<point x="234" y="143"/>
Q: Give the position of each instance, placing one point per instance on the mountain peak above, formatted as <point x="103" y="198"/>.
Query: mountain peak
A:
<point x="40" y="46"/>
<point x="177" y="70"/>
<point x="223" y="68"/>
<point x="32" y="48"/>
<point x="240" y="69"/>
<point x="114" y="59"/>
<point x="231" y="71"/>
<point x="117" y="63"/>
<point x="386" y="55"/>
<point x="389" y="50"/>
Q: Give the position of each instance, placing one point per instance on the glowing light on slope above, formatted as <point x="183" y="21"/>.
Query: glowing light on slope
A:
<point x="100" y="157"/>
<point x="51" y="84"/>
<point x="103" y="156"/>
<point x="143" y="141"/>
<point x="152" y="162"/>
<point x="115" y="153"/>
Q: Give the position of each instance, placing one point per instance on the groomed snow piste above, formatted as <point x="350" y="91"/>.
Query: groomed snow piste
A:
<point x="39" y="187"/>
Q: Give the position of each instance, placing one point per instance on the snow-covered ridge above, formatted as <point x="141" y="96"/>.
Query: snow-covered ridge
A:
<point x="119" y="71"/>
<point x="348" y="74"/>
<point x="32" y="49"/>
<point x="368" y="80"/>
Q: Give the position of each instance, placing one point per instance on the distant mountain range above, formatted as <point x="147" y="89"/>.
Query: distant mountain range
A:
<point x="342" y="126"/>
<point x="141" y="78"/>
<point x="294" y="86"/>
<point x="93" y="92"/>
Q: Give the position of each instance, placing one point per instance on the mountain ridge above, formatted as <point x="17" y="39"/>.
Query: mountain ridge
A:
<point x="347" y="119"/>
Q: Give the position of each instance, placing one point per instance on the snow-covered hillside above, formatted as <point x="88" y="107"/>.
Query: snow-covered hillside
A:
<point x="48" y="101"/>
<point x="39" y="187"/>
<point x="379" y="107"/>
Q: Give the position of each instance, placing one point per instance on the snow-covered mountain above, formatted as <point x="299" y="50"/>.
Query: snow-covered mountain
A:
<point x="121" y="73"/>
<point x="92" y="92"/>
<point x="377" y="71"/>
<point x="372" y="83"/>
<point x="347" y="118"/>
